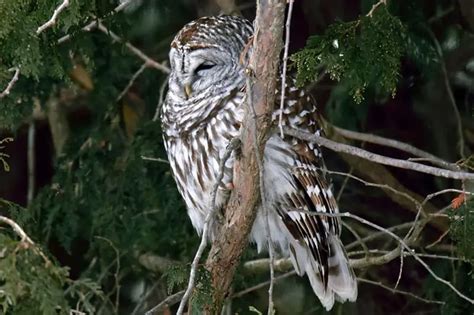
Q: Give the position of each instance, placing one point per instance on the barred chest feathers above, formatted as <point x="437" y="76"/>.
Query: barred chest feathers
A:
<point x="195" y="155"/>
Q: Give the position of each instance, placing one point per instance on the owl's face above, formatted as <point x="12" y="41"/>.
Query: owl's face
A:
<point x="205" y="55"/>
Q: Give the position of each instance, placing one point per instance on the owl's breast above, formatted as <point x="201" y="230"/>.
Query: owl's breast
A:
<point x="195" y="155"/>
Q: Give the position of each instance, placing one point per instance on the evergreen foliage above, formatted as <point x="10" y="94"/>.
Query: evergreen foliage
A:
<point x="359" y="53"/>
<point x="32" y="284"/>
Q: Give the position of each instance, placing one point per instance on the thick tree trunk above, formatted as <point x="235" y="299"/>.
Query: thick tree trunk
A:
<point x="241" y="209"/>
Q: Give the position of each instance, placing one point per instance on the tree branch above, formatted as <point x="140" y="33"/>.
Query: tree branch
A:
<point x="380" y="284"/>
<point x="393" y="144"/>
<point x="169" y="301"/>
<point x="375" y="6"/>
<point x="285" y="62"/>
<point x="344" y="148"/>
<point x="25" y="238"/>
<point x="93" y="24"/>
<point x="131" y="81"/>
<point x="403" y="245"/>
<point x="241" y="209"/>
<point x="54" y="17"/>
<point x="11" y="83"/>
<point x="140" y="54"/>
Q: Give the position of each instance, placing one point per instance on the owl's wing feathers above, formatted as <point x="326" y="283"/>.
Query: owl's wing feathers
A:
<point x="315" y="248"/>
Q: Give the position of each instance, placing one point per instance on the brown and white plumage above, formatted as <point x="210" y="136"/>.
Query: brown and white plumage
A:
<point x="203" y="111"/>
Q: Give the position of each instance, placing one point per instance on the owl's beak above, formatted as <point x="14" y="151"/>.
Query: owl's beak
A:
<point x="188" y="90"/>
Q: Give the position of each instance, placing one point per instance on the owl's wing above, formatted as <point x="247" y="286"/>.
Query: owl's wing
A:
<point x="315" y="248"/>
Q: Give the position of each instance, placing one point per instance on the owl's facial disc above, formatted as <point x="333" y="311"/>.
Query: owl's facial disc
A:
<point x="203" y="69"/>
<point x="199" y="71"/>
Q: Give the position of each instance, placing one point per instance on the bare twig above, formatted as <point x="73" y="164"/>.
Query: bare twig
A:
<point x="380" y="284"/>
<point x="416" y="228"/>
<point x="343" y="185"/>
<point x="441" y="14"/>
<point x="285" y="62"/>
<point x="6" y="140"/>
<point x="117" y="270"/>
<point x="357" y="237"/>
<point x="131" y="81"/>
<point x="194" y="266"/>
<point x="395" y="144"/>
<point x="376" y="235"/>
<point x="12" y="82"/>
<point x="433" y="256"/>
<point x="438" y="240"/>
<point x="360" y="263"/>
<point x="375" y="6"/>
<point x="161" y="98"/>
<point x="402" y="244"/>
<point x="93" y="24"/>
<point x="140" y="54"/>
<point x="54" y="17"/>
<point x="147" y="158"/>
<point x="381" y="186"/>
<point x="169" y="301"/>
<point x="344" y="148"/>
<point x="262" y="285"/>
<point x="259" y="266"/>
<point x="4" y="156"/>
<point x="400" y="270"/>
<point x="262" y="265"/>
<point x="144" y="298"/>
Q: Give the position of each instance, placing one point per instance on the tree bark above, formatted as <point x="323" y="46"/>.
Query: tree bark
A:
<point x="241" y="208"/>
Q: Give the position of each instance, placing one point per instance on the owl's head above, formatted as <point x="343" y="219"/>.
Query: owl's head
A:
<point x="205" y="55"/>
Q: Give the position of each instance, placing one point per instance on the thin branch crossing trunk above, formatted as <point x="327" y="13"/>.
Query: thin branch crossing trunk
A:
<point x="241" y="208"/>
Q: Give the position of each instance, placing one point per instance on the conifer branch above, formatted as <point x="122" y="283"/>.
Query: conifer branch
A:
<point x="25" y="238"/>
<point x="93" y="24"/>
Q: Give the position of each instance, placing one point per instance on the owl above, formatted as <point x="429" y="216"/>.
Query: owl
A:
<point x="203" y="112"/>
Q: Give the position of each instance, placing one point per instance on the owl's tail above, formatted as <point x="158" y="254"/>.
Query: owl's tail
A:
<point x="341" y="283"/>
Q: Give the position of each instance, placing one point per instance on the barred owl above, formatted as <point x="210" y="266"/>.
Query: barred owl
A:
<point x="203" y="111"/>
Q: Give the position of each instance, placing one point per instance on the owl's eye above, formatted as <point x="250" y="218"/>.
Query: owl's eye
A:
<point x="203" y="67"/>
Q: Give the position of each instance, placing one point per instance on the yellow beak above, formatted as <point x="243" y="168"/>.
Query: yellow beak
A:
<point x="188" y="90"/>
